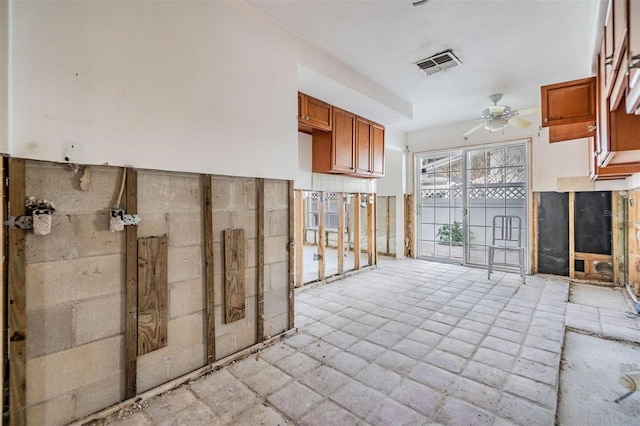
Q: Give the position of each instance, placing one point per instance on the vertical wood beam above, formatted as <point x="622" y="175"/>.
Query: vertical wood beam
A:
<point x="619" y="229"/>
<point x="409" y="220"/>
<point x="299" y="222"/>
<point x="207" y="220"/>
<point x="260" y="260"/>
<point x="131" y="287"/>
<point x="572" y="243"/>
<point x="371" y="230"/>
<point x="356" y="231"/>
<point x="341" y="230"/>
<point x="17" y="297"/>
<point x="534" y="233"/>
<point x="321" y="236"/>
<point x="388" y="224"/>
<point x="291" y="251"/>
<point x="2" y="277"/>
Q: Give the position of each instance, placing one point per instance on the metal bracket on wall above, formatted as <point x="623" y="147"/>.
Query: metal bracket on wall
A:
<point x="20" y="222"/>
<point x="118" y="220"/>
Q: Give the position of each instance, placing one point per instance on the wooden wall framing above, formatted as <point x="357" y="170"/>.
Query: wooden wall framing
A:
<point x="299" y="236"/>
<point x="207" y="211"/>
<point x="356" y="231"/>
<point x="409" y="227"/>
<point x="321" y="236"/>
<point x="341" y="211"/>
<point x="291" y="253"/>
<point x="260" y="259"/>
<point x="17" y="297"/>
<point x="131" y="287"/>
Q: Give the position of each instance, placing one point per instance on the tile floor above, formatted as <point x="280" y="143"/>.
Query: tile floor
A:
<point x="409" y="343"/>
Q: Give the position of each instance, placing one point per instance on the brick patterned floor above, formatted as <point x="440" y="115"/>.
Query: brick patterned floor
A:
<point x="411" y="342"/>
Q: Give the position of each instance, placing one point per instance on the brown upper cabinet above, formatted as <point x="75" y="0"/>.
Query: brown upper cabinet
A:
<point x="569" y="109"/>
<point x="333" y="152"/>
<point x="313" y="114"/>
<point x="354" y="147"/>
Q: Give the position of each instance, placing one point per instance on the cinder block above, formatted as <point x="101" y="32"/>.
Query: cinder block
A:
<point x="99" y="395"/>
<point x="277" y="223"/>
<point x="221" y="221"/>
<point x="225" y="345"/>
<point x="247" y="220"/>
<point x="60" y="184"/>
<point x="188" y="360"/>
<point x="218" y="291"/>
<point x="53" y="283"/>
<point x="278" y="324"/>
<point x="220" y="193"/>
<point x="185" y="229"/>
<point x="246" y="337"/>
<point x="275" y="249"/>
<point x="97" y="319"/>
<point x="250" y="194"/>
<point x="58" y="411"/>
<point x="186" y="297"/>
<point x="73" y="236"/>
<point x="185" y="263"/>
<point x="279" y="275"/>
<point x="185" y="192"/>
<point x="153" y="194"/>
<point x="238" y="195"/>
<point x="185" y="332"/>
<point x="49" y="330"/>
<point x="276" y="194"/>
<point x="57" y="374"/>
<point x="152" y="372"/>
<point x="152" y="225"/>
<point x="276" y="302"/>
<point x="252" y="253"/>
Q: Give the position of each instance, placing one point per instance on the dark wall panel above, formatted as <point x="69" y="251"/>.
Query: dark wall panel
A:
<point x="553" y="233"/>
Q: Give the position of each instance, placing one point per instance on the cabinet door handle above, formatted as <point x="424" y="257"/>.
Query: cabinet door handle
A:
<point x="634" y="61"/>
<point x="592" y="128"/>
<point x="307" y="117"/>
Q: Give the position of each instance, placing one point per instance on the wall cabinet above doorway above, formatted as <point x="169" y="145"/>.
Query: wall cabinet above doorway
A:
<point x="349" y="145"/>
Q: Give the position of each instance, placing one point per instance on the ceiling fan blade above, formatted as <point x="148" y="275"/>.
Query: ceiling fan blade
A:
<point x="473" y="129"/>
<point x="528" y="111"/>
<point x="519" y="122"/>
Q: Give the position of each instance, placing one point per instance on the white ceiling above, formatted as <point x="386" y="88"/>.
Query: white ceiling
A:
<point x="509" y="46"/>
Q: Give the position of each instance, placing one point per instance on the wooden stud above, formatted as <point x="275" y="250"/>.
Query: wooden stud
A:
<point x="131" y="287"/>
<point x="534" y="233"/>
<point x="292" y="253"/>
<point x="234" y="277"/>
<point x="299" y="223"/>
<point x="371" y="230"/>
<point x="321" y="236"/>
<point x="618" y="227"/>
<point x="341" y="230"/>
<point x="2" y="273"/>
<point x="260" y="259"/>
<point x="207" y="212"/>
<point x="409" y="219"/>
<point x="153" y="294"/>
<point x="572" y="243"/>
<point x="388" y="225"/>
<point x="17" y="297"/>
<point x="356" y="231"/>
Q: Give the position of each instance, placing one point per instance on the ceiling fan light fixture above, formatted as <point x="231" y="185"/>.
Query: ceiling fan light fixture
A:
<point x="496" y="125"/>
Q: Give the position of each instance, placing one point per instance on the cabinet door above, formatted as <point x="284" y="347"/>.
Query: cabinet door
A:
<point x="363" y="146"/>
<point x="318" y="114"/>
<point x="377" y="150"/>
<point x="343" y="140"/>
<point x="569" y="102"/>
<point x="633" y="97"/>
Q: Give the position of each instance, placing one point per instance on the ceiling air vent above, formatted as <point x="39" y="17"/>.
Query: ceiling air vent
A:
<point x="439" y="62"/>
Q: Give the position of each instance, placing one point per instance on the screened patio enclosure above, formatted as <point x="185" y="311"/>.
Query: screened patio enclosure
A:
<point x="459" y="193"/>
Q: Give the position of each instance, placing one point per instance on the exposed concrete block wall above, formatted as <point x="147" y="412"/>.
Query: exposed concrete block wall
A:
<point x="75" y="282"/>
<point x="234" y="206"/>
<point x="171" y="204"/>
<point x="276" y="256"/>
<point x="74" y="297"/>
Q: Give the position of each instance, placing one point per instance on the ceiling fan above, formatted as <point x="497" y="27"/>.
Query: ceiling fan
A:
<point x="497" y="117"/>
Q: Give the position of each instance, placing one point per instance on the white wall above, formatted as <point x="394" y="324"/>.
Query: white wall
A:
<point x="195" y="86"/>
